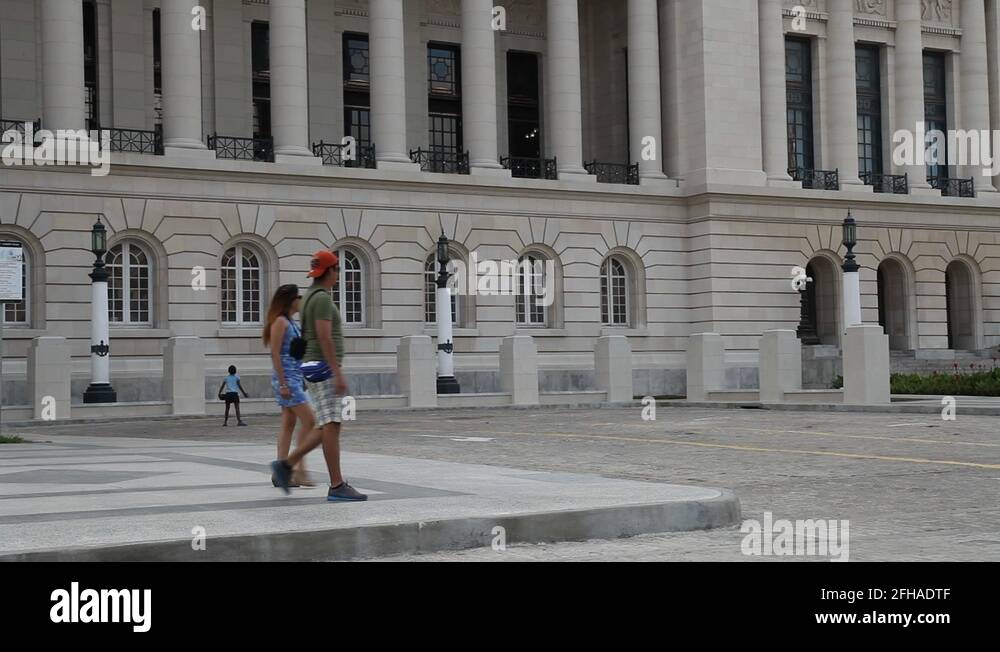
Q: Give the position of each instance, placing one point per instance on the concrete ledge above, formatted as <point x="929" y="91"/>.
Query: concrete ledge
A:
<point x="424" y="536"/>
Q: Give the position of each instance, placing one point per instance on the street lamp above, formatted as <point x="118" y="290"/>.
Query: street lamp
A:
<point x="100" y="389"/>
<point x="446" y="383"/>
<point x="852" y="281"/>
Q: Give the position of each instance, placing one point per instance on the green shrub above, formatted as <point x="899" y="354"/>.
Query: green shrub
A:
<point x="974" y="380"/>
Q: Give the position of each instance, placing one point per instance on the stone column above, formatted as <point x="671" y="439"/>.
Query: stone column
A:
<point x="613" y="367"/>
<point x="842" y="75"/>
<point x="773" y="96"/>
<point x="705" y="365"/>
<point x="184" y="374"/>
<point x="289" y="83"/>
<point x="181" y="67"/>
<point x="415" y="362"/>
<point x="388" y="90"/>
<point x="975" y="87"/>
<point x="644" y="112"/>
<point x="563" y="82"/>
<point x="866" y="365"/>
<point x="519" y="369"/>
<point x="63" y="96"/>
<point x="49" y="378"/>
<point x="780" y="364"/>
<point x="910" y="86"/>
<point x="479" y="87"/>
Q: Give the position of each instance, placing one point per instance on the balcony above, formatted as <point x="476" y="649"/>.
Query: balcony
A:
<point x="333" y="154"/>
<point x="438" y="161"/>
<point x="816" y="179"/>
<point x="614" y="172"/>
<point x="953" y="187"/>
<point x="18" y="125"/>
<point x="530" y="168"/>
<point x="242" y="149"/>
<point x="136" y="141"/>
<point x="891" y="184"/>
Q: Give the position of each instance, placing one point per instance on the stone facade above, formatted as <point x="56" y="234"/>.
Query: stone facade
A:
<point x="707" y="239"/>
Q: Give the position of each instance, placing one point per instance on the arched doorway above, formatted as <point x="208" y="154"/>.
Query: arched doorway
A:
<point x="823" y="299"/>
<point x="893" y="304"/>
<point x="960" y="296"/>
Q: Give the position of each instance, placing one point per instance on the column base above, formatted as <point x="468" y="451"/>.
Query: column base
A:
<point x="202" y="153"/>
<point x="576" y="175"/>
<point x="397" y="166"/>
<point x="658" y="181"/>
<point x="447" y="385"/>
<point x="783" y="182"/>
<point x="491" y="171"/>
<point x="100" y="393"/>
<point x="925" y="191"/>
<point x="297" y="159"/>
<point x="856" y="186"/>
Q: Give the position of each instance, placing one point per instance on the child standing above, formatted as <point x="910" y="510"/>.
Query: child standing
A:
<point x="232" y="395"/>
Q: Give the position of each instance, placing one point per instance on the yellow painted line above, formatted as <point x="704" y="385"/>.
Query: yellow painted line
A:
<point x="754" y="449"/>
<point x="876" y="437"/>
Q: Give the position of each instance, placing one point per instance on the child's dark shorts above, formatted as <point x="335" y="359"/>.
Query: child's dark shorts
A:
<point x="232" y="397"/>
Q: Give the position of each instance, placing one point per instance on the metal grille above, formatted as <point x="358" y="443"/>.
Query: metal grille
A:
<point x="892" y="184"/>
<point x="816" y="179"/>
<point x="441" y="161"/>
<point x="530" y="168"/>
<point x="614" y="172"/>
<point x="332" y="154"/>
<point x="242" y="149"/>
<point x="137" y="141"/>
<point x="950" y="187"/>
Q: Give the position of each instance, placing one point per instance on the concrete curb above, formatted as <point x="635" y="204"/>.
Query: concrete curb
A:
<point x="339" y="544"/>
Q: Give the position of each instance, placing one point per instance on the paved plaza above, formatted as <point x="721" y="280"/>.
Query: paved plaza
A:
<point x="913" y="486"/>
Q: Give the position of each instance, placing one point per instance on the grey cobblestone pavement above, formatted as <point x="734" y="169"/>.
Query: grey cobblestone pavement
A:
<point x="913" y="487"/>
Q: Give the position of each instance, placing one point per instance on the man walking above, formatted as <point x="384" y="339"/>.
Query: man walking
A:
<point x="323" y="331"/>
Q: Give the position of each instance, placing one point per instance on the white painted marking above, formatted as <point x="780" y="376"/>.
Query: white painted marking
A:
<point x="463" y="439"/>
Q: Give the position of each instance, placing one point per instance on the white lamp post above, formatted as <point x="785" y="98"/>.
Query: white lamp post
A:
<point x="100" y="389"/>
<point x="852" y="281"/>
<point x="446" y="383"/>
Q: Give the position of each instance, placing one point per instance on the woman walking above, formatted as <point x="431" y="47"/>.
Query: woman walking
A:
<point x="286" y="379"/>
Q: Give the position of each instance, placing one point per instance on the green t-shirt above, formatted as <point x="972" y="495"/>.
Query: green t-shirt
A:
<point x="321" y="307"/>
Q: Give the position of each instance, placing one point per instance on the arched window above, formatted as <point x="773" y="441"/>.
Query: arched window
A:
<point x="430" y="292"/>
<point x="529" y="304"/>
<point x="614" y="293"/>
<point x="240" y="283"/>
<point x="18" y="313"/>
<point x="129" y="284"/>
<point x="349" y="294"/>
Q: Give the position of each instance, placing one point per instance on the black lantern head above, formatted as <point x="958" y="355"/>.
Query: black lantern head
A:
<point x="442" y="249"/>
<point x="850" y="232"/>
<point x="99" y="239"/>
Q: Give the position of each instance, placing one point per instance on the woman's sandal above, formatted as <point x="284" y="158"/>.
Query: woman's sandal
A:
<point x="301" y="479"/>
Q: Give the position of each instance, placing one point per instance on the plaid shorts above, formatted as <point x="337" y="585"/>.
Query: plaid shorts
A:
<point x="325" y="402"/>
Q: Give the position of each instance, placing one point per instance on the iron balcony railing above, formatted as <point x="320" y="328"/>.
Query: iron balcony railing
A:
<point x="437" y="161"/>
<point x="530" y="168"/>
<point x="136" y="141"/>
<point x="333" y="154"/>
<point x="18" y="125"/>
<point x="614" y="172"/>
<point x="951" y="187"/>
<point x="892" y="184"/>
<point x="816" y="179"/>
<point x="242" y="149"/>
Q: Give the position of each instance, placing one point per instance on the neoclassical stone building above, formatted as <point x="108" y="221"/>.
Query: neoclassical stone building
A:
<point x="674" y="159"/>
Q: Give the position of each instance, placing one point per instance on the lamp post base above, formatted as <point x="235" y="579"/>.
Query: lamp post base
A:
<point x="100" y="393"/>
<point x="447" y="385"/>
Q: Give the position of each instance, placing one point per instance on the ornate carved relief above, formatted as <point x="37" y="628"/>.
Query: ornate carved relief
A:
<point x="936" y="11"/>
<point x="876" y="7"/>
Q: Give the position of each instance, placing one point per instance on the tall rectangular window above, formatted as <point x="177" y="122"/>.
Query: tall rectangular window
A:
<point x="798" y="88"/>
<point x="157" y="69"/>
<point x="523" y="124"/>
<point x="936" y="109"/>
<point x="260" y="56"/>
<point x="357" y="90"/>
<point x="91" y="113"/>
<point x="444" y="100"/>
<point x="869" y="111"/>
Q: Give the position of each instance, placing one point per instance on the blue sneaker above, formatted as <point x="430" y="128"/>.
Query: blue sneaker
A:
<point x="281" y="475"/>
<point x="345" y="493"/>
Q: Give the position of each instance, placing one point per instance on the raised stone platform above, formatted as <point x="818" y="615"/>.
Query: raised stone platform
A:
<point x="119" y="499"/>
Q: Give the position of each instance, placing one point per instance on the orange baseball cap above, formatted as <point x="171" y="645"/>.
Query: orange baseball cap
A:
<point x="322" y="261"/>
